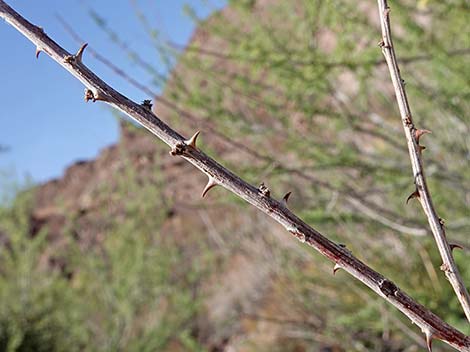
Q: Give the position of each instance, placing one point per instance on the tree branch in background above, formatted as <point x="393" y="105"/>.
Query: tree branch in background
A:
<point x="413" y="135"/>
<point x="98" y="90"/>
<point x="332" y="64"/>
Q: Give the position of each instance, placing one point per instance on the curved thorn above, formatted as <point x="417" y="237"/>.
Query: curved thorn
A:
<point x="415" y="194"/>
<point x="336" y="268"/>
<point x="192" y="141"/>
<point x="286" y="198"/>
<point x="429" y="338"/>
<point x="455" y="245"/>
<point x="210" y="184"/>
<point x="38" y="51"/>
<point x="419" y="133"/>
<point x="79" y="54"/>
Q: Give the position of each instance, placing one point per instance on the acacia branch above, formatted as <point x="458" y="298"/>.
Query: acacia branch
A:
<point x="413" y="135"/>
<point x="98" y="90"/>
<point x="371" y="210"/>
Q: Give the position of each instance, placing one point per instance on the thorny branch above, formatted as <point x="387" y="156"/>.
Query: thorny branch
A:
<point x="413" y="136"/>
<point x="369" y="209"/>
<point x="98" y="90"/>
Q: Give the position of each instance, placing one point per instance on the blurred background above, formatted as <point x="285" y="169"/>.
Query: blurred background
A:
<point x="105" y="243"/>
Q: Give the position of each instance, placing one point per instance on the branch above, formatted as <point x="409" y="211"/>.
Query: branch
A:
<point x="415" y="150"/>
<point x="328" y="64"/>
<point x="362" y="205"/>
<point x="97" y="89"/>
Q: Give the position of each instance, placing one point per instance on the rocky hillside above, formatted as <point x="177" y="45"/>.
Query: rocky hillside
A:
<point x="290" y="94"/>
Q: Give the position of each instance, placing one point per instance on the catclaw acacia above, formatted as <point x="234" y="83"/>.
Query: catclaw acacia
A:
<point x="273" y="208"/>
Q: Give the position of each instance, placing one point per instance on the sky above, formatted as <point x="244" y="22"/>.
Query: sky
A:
<point x="44" y="121"/>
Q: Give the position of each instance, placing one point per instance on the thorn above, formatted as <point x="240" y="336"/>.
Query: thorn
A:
<point x="415" y="194"/>
<point x="210" y="184"/>
<point x="429" y="338"/>
<point x="455" y="245"/>
<point x="147" y="103"/>
<point x="192" y="141"/>
<point x="264" y="190"/>
<point x="38" y="51"/>
<point x="419" y="133"/>
<point x="336" y="268"/>
<point x="77" y="57"/>
<point x="285" y="199"/>
<point x="79" y="54"/>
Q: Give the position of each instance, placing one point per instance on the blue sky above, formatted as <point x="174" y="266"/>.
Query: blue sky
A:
<point x="43" y="119"/>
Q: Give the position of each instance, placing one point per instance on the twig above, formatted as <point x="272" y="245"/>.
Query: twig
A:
<point x="415" y="150"/>
<point x="328" y="64"/>
<point x="97" y="89"/>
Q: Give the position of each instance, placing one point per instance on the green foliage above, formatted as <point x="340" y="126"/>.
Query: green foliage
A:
<point x="302" y="84"/>
<point x="132" y="291"/>
<point x="38" y="311"/>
